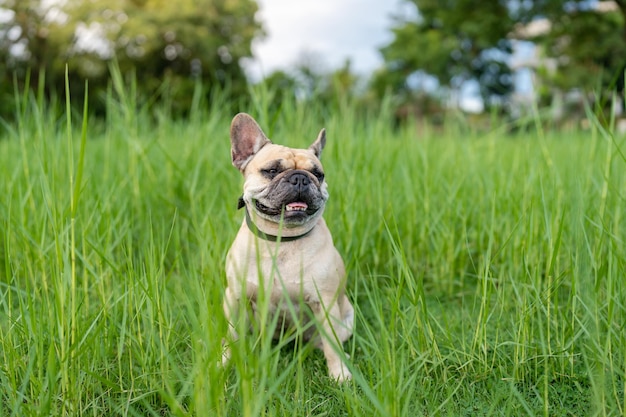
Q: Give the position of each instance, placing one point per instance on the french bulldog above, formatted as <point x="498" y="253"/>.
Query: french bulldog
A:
<point x="284" y="248"/>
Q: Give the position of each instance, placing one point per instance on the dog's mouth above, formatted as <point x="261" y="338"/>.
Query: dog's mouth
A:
<point x="296" y="206"/>
<point x="293" y="209"/>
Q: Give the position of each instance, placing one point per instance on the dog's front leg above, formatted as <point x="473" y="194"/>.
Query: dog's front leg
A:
<point x="330" y="321"/>
<point x="231" y="308"/>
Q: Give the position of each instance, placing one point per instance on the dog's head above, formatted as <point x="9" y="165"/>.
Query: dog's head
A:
<point x="281" y="185"/>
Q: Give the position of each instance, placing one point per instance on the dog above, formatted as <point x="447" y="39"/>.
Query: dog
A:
<point x="284" y="248"/>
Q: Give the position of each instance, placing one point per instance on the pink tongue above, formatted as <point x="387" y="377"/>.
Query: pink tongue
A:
<point x="297" y="205"/>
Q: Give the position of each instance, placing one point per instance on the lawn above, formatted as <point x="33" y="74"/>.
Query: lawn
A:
<point x="487" y="268"/>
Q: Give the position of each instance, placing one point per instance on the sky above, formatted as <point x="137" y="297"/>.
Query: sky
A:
<point x="328" y="30"/>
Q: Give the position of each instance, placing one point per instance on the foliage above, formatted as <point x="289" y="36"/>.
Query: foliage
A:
<point x="171" y="46"/>
<point x="455" y="41"/>
<point x="460" y="40"/>
<point x="310" y="83"/>
<point x="587" y="44"/>
<point x="487" y="271"/>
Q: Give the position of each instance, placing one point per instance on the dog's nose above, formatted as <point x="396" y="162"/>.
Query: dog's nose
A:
<point x="299" y="180"/>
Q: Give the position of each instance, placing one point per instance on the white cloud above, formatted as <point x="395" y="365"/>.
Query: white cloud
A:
<point x="331" y="29"/>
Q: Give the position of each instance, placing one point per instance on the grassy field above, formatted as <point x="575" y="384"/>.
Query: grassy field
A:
<point x="487" y="269"/>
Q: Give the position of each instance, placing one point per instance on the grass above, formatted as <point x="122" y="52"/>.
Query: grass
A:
<point x="487" y="269"/>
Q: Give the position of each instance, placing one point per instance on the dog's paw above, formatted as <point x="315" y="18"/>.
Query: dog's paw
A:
<point x="340" y="373"/>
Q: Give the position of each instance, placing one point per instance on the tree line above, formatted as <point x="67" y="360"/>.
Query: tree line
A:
<point x="166" y="47"/>
<point x="170" y="48"/>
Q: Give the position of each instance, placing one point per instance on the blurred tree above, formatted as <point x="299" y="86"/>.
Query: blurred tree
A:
<point x="343" y="82"/>
<point x="454" y="41"/>
<point x="308" y="80"/>
<point x="585" y="47"/>
<point x="280" y="80"/>
<point x="180" y="42"/>
<point x="26" y="42"/>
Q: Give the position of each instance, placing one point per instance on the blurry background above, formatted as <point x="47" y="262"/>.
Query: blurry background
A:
<point x="425" y="57"/>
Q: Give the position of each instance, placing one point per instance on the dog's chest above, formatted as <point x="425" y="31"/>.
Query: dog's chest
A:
<point x="299" y="270"/>
<point x="293" y="272"/>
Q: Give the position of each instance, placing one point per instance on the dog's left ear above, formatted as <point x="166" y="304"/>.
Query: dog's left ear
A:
<point x="319" y="143"/>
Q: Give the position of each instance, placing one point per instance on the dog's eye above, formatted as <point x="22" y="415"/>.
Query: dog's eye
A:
<point x="318" y="174"/>
<point x="270" y="172"/>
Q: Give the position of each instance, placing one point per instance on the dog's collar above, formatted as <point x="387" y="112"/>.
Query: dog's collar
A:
<point x="262" y="235"/>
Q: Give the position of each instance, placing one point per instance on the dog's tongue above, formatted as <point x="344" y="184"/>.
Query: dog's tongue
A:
<point x="296" y="206"/>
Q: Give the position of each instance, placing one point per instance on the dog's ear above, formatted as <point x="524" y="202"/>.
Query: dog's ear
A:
<point x="246" y="138"/>
<point x="319" y="143"/>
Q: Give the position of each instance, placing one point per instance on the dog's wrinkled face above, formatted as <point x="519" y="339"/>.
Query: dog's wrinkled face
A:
<point x="285" y="183"/>
<point x="281" y="184"/>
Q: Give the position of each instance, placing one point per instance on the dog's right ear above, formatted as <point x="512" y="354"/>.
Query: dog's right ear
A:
<point x="246" y="138"/>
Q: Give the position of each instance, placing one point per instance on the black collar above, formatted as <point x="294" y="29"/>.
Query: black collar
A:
<point x="262" y="235"/>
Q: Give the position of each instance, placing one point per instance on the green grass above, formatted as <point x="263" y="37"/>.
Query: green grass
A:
<point x="487" y="269"/>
